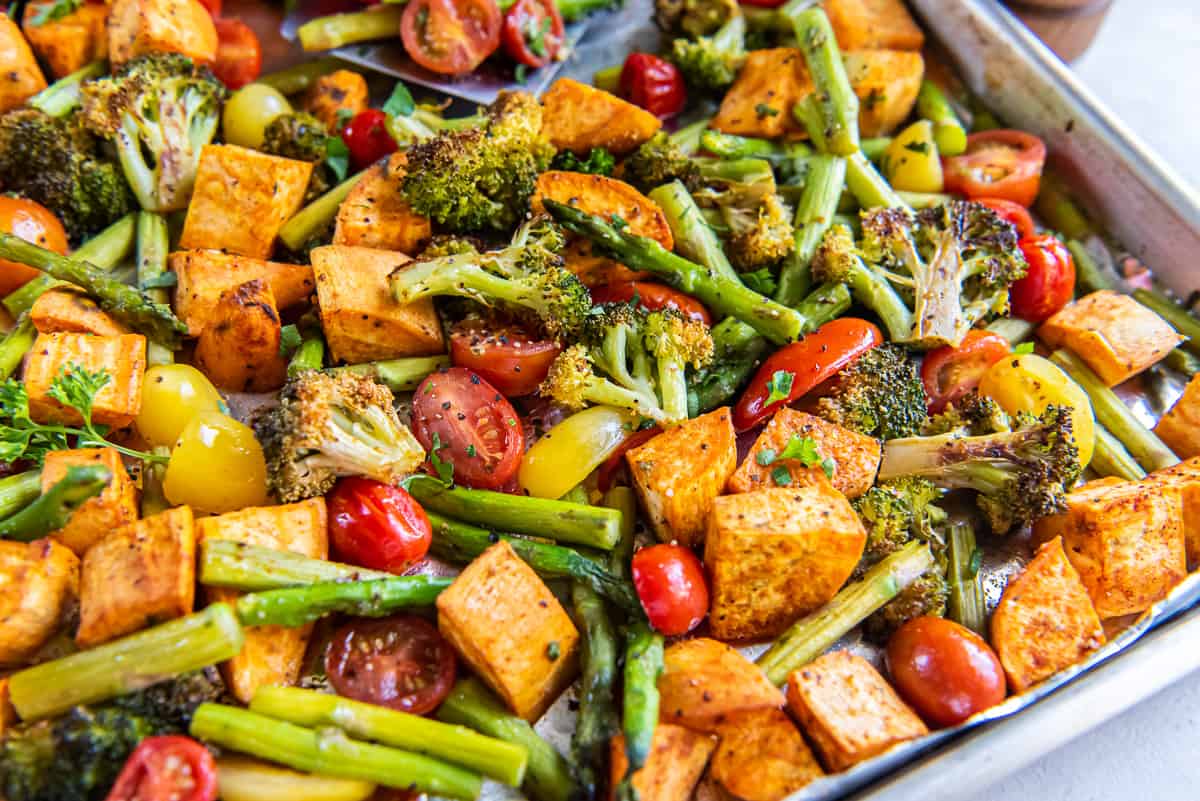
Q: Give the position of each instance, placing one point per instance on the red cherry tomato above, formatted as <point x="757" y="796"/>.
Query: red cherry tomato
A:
<point x="367" y="137"/>
<point x="1002" y="164"/>
<point x="950" y="373"/>
<point x="653" y="83"/>
<point x="604" y="475"/>
<point x="1049" y="283"/>
<point x="213" y="7"/>
<point x="670" y="583"/>
<point x="533" y="32"/>
<point x="945" y="671"/>
<point x="505" y="356"/>
<point x="796" y="368"/>
<point x="477" y="429"/>
<point x="34" y="223"/>
<point x="376" y="525"/>
<point x="450" y="37"/>
<point x="1015" y="213"/>
<point x="239" y="55"/>
<point x="168" y="768"/>
<point x="401" y="662"/>
<point x="652" y="296"/>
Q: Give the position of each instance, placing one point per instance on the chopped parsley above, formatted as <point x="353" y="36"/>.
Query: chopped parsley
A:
<point x="780" y="386"/>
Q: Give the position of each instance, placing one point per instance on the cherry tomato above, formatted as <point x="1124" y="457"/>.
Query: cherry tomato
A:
<point x="653" y="83"/>
<point x="652" y="296"/>
<point x="367" y="137"/>
<point x="213" y="7"/>
<point x="401" y="662"/>
<point x="239" y="55"/>
<point x="604" y="475"/>
<point x="1002" y="164"/>
<point x="506" y="356"/>
<point x="671" y="585"/>
<point x="945" y="671"/>
<point x="376" y="525"/>
<point x="450" y="37"/>
<point x="34" y="223"/>
<point x="476" y="427"/>
<point x="950" y="373"/>
<point x="1015" y="213"/>
<point x="1049" y="283"/>
<point x="217" y="466"/>
<point x="167" y="768"/>
<point x="793" y="370"/>
<point x="533" y="32"/>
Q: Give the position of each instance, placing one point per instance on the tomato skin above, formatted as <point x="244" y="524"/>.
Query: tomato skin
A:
<point x="652" y="296"/>
<point x="654" y="84"/>
<point x="1049" y="283"/>
<point x="819" y="356"/>
<point x="167" y="768"/>
<point x="477" y="428"/>
<point x="367" y="138"/>
<point x="522" y="22"/>
<point x="400" y="662"/>
<point x="450" y="37"/>
<point x="376" y="525"/>
<point x="945" y="671"/>
<point x="239" y="54"/>
<point x="505" y="356"/>
<point x="1003" y="163"/>
<point x="671" y="585"/>
<point x="34" y="223"/>
<point x="213" y="7"/>
<point x="1015" y="213"/>
<point x="950" y="373"/>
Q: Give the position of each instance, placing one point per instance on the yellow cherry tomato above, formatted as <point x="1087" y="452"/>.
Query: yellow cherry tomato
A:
<point x="240" y="779"/>
<point x="911" y="162"/>
<point x="172" y="394"/>
<point x="1028" y="383"/>
<point x="249" y="111"/>
<point x="571" y="450"/>
<point x="217" y="466"/>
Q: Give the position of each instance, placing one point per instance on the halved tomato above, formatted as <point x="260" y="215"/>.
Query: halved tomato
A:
<point x="533" y="32"/>
<point x="1003" y="164"/>
<point x="239" y="54"/>
<point x="652" y="296"/>
<point x="450" y="37"/>
<point x="950" y="373"/>
<point x="506" y="355"/>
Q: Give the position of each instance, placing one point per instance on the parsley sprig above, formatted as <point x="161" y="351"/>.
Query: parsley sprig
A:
<point x="802" y="449"/>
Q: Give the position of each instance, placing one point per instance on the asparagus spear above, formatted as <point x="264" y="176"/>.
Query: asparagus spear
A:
<point x="1173" y="313"/>
<point x="309" y="221"/>
<point x="63" y="96"/>
<point x="152" y="245"/>
<point x="249" y="568"/>
<point x="869" y="187"/>
<point x="54" y="507"/>
<point x="339" y="30"/>
<point x="310" y="353"/>
<point x="329" y="752"/>
<point x="131" y="663"/>
<point x="967" y="604"/>
<point x="547" y="777"/>
<point x="948" y="130"/>
<point x="15" y="345"/>
<point x="624" y="500"/>
<point x="687" y="138"/>
<point x="1055" y="206"/>
<point x="597" y="721"/>
<point x="1014" y="329"/>
<point x="297" y="606"/>
<point x="297" y="78"/>
<point x="830" y="112"/>
<point x="731" y="146"/>
<point x="1181" y="361"/>
<point x="503" y="761"/>
<point x="875" y="147"/>
<point x="18" y="491"/>
<point x="1089" y="275"/>
<point x="814" y="214"/>
<point x="643" y="666"/>
<point x="399" y="375"/>
<point x="577" y="523"/>
<point x="694" y="239"/>
<point x="1110" y="458"/>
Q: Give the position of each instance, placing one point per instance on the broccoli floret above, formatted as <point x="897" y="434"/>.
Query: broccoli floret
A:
<point x="332" y="425"/>
<point x="159" y="111"/>
<point x="658" y="161"/>
<point x="527" y="279"/>
<point x="972" y="415"/>
<point x="57" y="164"/>
<point x="301" y="136"/>
<point x="880" y="395"/>
<point x="927" y="596"/>
<point x="759" y="225"/>
<point x="694" y="17"/>
<point x="449" y="245"/>
<point x="711" y="63"/>
<point x="483" y="177"/>
<point x="598" y="162"/>
<point x="632" y="359"/>
<point x="1019" y="476"/>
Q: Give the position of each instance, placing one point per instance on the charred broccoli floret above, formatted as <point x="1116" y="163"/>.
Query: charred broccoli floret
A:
<point x="332" y="425"/>
<point x="711" y="63"/>
<point x="927" y="596"/>
<point x="759" y="230"/>
<point x="694" y="17"/>
<point x="159" y="110"/>
<point x="972" y="415"/>
<point x="598" y="162"/>
<point x="631" y="359"/>
<point x="658" y="161"/>
<point x="482" y="177"/>
<point x="880" y="395"/>
<point x="449" y="245"/>
<point x="301" y="136"/>
<point x="56" y="163"/>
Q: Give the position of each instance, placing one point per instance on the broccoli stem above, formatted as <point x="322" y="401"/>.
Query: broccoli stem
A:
<point x="128" y="664"/>
<point x="948" y="132"/>
<point x="814" y="215"/>
<point x="125" y="303"/>
<point x="548" y="776"/>
<point x="1149" y="451"/>
<point x="774" y="321"/>
<point x="15" y="345"/>
<point x="249" y="568"/>
<point x="1014" y="329"/>
<point x="1110" y="458"/>
<point x="153" y="242"/>
<point x="54" y="507"/>
<point x="18" y="491"/>
<point x="339" y="30"/>
<point x="293" y="607"/>
<point x="833" y="105"/>
<point x="399" y="375"/>
<point x="313" y="218"/>
<point x="869" y="187"/>
<point x="810" y="636"/>
<point x="875" y="147"/>
<point x="63" y="96"/>
<point x="643" y="666"/>
<point x="597" y="721"/>
<point x="967" y="604"/>
<point x="461" y="542"/>
<point x="693" y="238"/>
<point x="329" y="752"/>
<point x="1179" y="318"/>
<point x="572" y="10"/>
<point x="743" y="170"/>
<point x="687" y="138"/>
<point x="625" y="501"/>
<point x="505" y="762"/>
<point x="299" y="77"/>
<point x="1055" y="205"/>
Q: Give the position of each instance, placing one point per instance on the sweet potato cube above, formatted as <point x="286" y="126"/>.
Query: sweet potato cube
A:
<point x="507" y="625"/>
<point x="336" y="97"/>
<point x="271" y="654"/>
<point x="1179" y="428"/>
<point x="777" y="554"/>
<point x="122" y="357"/>
<point x="578" y="117"/>
<point x="21" y="78"/>
<point x="239" y="349"/>
<point x="855" y="456"/>
<point x="886" y="82"/>
<point x="39" y="582"/>
<point x="66" y="310"/>
<point x="1117" y="336"/>
<point x="674" y="766"/>
<point x="760" y="101"/>
<point x="1045" y="621"/>
<point x="362" y="321"/>
<point x="137" y="27"/>
<point x="849" y="711"/>
<point x="113" y="509"/>
<point x="8" y="713"/>
<point x="377" y="215"/>
<point x="142" y="574"/>
<point x="680" y="472"/>
<point x="202" y="275"/>
<point x="762" y="756"/>
<point x="870" y="24"/>
<point x="704" y="682"/>
<point x="241" y="200"/>
<point x="69" y="43"/>
<point x="1185" y="476"/>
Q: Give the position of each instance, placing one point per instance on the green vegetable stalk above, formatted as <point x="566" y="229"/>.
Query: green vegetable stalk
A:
<point x="966" y="604"/>
<point x="830" y="112"/>
<point x="597" y="721"/>
<point x="249" y="568"/>
<point x="153" y="242"/>
<point x="299" y="77"/>
<point x="18" y="491"/>
<point x="625" y="501"/>
<point x="948" y="131"/>
<point x="643" y="666"/>
<point x="313" y="218"/>
<point x="1110" y="458"/>
<point x="54" y="508"/>
<point x="399" y="375"/>
<point x="297" y="606"/>
<point x="869" y="188"/>
<point x="814" y="215"/>
<point x="694" y="239"/>
<point x="15" y="344"/>
<point x="62" y="97"/>
<point x="339" y="30"/>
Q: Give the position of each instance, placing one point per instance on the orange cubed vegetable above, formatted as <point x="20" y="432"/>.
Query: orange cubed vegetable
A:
<point x="69" y="43"/>
<point x="122" y="358"/>
<point x="138" y="27"/>
<point x="760" y="101"/>
<point x="674" y="766"/>
<point x="114" y="508"/>
<point x="578" y="117"/>
<point x="1186" y="477"/>
<point x="39" y="582"/>
<point x="202" y="275"/>
<point x="22" y="78"/>
<point x="871" y="24"/>
<point x="377" y="215"/>
<point x="335" y="97"/>
<point x="705" y="681"/>
<point x="887" y="83"/>
<point x="67" y="310"/>
<point x="239" y="349"/>
<point x="762" y="757"/>
<point x="1179" y="428"/>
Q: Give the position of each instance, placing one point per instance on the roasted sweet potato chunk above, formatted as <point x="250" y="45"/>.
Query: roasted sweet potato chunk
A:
<point x="377" y="215"/>
<point x="202" y="275"/>
<point x="67" y="310"/>
<point x="137" y="27"/>
<point x="677" y="759"/>
<point x="705" y="681"/>
<point x="1179" y="428"/>
<point x="113" y="509"/>
<point x="122" y="358"/>
<point x="39" y="583"/>
<point x="578" y="117"/>
<point x="22" y="78"/>
<point x="239" y="349"/>
<point x="762" y="756"/>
